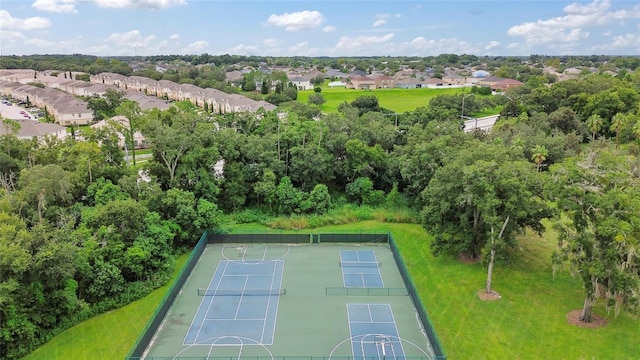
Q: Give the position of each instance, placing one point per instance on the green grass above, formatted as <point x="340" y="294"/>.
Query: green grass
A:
<point x="527" y="323"/>
<point x="398" y="100"/>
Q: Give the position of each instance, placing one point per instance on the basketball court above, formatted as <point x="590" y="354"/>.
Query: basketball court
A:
<point x="279" y="301"/>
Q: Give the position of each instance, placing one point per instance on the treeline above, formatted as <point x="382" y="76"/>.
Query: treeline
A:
<point x="80" y="63"/>
<point x="84" y="230"/>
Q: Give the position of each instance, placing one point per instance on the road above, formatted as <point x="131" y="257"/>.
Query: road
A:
<point x="13" y="112"/>
<point x="483" y="123"/>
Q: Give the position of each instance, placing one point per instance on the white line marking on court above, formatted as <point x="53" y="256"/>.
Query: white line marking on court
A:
<point x="244" y="289"/>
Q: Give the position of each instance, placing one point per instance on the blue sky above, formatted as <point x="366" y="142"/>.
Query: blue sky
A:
<point x="319" y="28"/>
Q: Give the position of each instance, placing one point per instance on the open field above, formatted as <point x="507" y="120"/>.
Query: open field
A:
<point x="527" y="323"/>
<point x="398" y="100"/>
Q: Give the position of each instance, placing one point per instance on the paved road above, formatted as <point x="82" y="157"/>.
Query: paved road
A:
<point x="483" y="123"/>
<point x="13" y="112"/>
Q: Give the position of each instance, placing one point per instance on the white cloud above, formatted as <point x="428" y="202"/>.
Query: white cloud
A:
<point x="139" y="4"/>
<point x="32" y="23"/>
<point x="568" y="28"/>
<point x="297" y="21"/>
<point x="40" y="43"/>
<point x="362" y="43"/>
<point x="424" y="46"/>
<point x="629" y="41"/>
<point x="68" y="6"/>
<point x="329" y="28"/>
<point x="243" y="49"/>
<point x="55" y="6"/>
<point x="131" y="39"/>
<point x="491" y="45"/>
<point x="174" y="37"/>
<point x="98" y="50"/>
<point x="271" y="42"/>
<point x="9" y="37"/>
<point x="303" y="49"/>
<point x="381" y="19"/>
<point x="196" y="47"/>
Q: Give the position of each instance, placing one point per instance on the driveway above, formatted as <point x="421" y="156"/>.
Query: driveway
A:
<point x="484" y="123"/>
<point x="13" y="112"/>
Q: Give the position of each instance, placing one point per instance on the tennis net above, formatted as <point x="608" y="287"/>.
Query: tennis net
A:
<point x="245" y="292"/>
<point x="360" y="264"/>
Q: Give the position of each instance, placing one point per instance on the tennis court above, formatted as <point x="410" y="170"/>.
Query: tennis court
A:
<point x="284" y="301"/>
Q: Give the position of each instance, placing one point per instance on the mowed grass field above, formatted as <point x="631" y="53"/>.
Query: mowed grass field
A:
<point x="529" y="322"/>
<point x="398" y="100"/>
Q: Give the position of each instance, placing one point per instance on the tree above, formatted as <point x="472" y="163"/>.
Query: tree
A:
<point x="288" y="197"/>
<point x="316" y="99"/>
<point x="365" y="104"/>
<point x="479" y="200"/>
<point x="636" y="128"/>
<point x="598" y="196"/>
<point x="170" y="139"/>
<point x="44" y="190"/>
<point x="595" y="124"/>
<point x="539" y="155"/>
<point x="265" y="189"/>
<point x="104" y="106"/>
<point x="317" y="80"/>
<point x="619" y="122"/>
<point x="362" y="192"/>
<point x="318" y="201"/>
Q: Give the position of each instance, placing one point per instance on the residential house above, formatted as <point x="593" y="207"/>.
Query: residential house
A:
<point x="302" y="82"/>
<point x="146" y="102"/>
<point x="139" y="140"/>
<point x="498" y="83"/>
<point x="30" y="129"/>
<point x="411" y="83"/>
<point x="334" y="74"/>
<point x="69" y="112"/>
<point x="480" y="74"/>
<point x="455" y="79"/>
<point x="435" y="82"/>
<point x="384" y="82"/>
<point x="361" y="83"/>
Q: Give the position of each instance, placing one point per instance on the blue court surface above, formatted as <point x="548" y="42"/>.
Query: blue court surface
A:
<point x="374" y="334"/>
<point x="360" y="268"/>
<point x="238" y="308"/>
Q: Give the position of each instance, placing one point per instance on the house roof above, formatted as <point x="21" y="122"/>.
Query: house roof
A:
<point x="435" y="81"/>
<point x="360" y="78"/>
<point x="34" y="128"/>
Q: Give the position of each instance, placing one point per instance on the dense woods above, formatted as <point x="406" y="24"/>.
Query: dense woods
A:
<point x="84" y="230"/>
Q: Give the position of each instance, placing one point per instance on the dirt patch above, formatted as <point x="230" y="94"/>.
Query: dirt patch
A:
<point x="573" y="318"/>
<point x="485" y="296"/>
<point x="468" y="259"/>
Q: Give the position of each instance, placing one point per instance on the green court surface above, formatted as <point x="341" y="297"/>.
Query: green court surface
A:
<point x="322" y="307"/>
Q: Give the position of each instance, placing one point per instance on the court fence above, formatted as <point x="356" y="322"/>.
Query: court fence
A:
<point x="298" y="238"/>
<point x="287" y="357"/>
<point x="352" y="291"/>
<point x="143" y="341"/>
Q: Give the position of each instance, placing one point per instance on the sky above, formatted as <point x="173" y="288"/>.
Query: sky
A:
<point x="320" y="28"/>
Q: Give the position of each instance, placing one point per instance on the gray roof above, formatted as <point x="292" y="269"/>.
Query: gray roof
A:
<point x="33" y="128"/>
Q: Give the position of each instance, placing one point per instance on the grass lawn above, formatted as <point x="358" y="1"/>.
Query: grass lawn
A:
<point x="527" y="323"/>
<point x="398" y="100"/>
